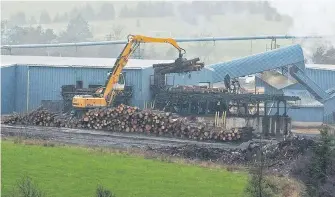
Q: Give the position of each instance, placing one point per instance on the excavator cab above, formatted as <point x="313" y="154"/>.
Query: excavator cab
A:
<point x="120" y="84"/>
<point x="84" y="102"/>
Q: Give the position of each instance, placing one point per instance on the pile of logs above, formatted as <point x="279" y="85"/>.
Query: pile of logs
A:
<point x="131" y="120"/>
<point x="39" y="117"/>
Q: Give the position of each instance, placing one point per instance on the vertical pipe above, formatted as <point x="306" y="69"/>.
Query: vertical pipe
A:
<point x="207" y="105"/>
<point x="215" y="118"/>
<point x="257" y="108"/>
<point x="278" y="102"/>
<point x="278" y="126"/>
<point x="255" y="86"/>
<point x="189" y="107"/>
<point x="225" y="119"/>
<point x="28" y="79"/>
<point x="273" y="125"/>
<point x="222" y="119"/>
<point x="285" y="108"/>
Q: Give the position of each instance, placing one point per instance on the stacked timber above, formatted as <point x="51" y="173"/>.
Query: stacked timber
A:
<point x="130" y="120"/>
<point x="39" y="117"/>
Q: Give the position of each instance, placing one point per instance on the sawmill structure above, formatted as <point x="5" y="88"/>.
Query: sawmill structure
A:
<point x="29" y="84"/>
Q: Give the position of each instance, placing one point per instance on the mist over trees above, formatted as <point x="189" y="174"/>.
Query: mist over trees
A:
<point x="45" y="18"/>
<point x="324" y="55"/>
<point x="155" y="9"/>
<point x="18" y="18"/>
<point x="23" y="29"/>
<point x="77" y="30"/>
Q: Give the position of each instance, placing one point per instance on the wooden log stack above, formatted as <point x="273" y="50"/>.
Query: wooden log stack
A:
<point x="39" y="117"/>
<point x="130" y="120"/>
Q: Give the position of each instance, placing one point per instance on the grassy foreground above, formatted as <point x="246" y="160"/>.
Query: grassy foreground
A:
<point x="70" y="171"/>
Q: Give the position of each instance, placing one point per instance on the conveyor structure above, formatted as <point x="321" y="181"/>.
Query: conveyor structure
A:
<point x="289" y="60"/>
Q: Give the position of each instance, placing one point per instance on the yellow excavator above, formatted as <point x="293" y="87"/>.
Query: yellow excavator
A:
<point x="115" y="83"/>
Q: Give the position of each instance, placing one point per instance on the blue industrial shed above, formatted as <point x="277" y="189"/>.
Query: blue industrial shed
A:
<point x="27" y="80"/>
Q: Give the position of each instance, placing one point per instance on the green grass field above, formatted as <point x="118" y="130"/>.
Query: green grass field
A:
<point x="70" y="171"/>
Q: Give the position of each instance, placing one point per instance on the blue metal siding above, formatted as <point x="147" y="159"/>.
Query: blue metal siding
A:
<point x="44" y="83"/>
<point x="192" y="78"/>
<point x="7" y="89"/>
<point x="260" y="62"/>
<point x="145" y="92"/>
<point x="296" y="86"/>
<point x="306" y="114"/>
<point x="329" y="114"/>
<point x="302" y="114"/>
<point x="21" y="88"/>
<point x="267" y="88"/>
<point x="134" y="78"/>
<point x="324" y="78"/>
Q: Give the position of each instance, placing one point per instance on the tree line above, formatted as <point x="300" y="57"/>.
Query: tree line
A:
<point x="77" y="30"/>
<point x="186" y="10"/>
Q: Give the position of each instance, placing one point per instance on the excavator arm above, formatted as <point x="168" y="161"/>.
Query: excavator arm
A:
<point x="121" y="62"/>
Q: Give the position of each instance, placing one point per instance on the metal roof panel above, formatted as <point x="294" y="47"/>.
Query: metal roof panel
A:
<point x="260" y="62"/>
<point x="321" y="66"/>
<point x="75" y="61"/>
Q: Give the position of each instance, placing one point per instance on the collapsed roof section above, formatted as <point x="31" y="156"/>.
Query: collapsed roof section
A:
<point x="257" y="63"/>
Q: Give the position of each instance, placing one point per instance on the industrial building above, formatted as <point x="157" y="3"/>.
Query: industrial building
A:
<point x="28" y="80"/>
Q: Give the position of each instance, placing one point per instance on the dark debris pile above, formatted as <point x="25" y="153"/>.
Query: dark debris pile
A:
<point x="276" y="153"/>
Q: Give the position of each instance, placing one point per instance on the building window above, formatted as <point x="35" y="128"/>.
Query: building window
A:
<point x="79" y="84"/>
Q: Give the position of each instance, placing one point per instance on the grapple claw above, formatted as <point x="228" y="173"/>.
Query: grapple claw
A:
<point x="181" y="65"/>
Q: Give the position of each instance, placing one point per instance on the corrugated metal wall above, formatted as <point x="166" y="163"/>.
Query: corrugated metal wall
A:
<point x="37" y="83"/>
<point x="302" y="114"/>
<point x="306" y="114"/>
<point x="7" y="89"/>
<point x="324" y="78"/>
<point x="296" y="86"/>
<point x="267" y="88"/>
<point x="329" y="114"/>
<point x="21" y="77"/>
<point x="193" y="78"/>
